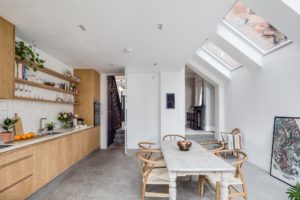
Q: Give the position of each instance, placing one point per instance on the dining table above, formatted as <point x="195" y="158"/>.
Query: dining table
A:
<point x="197" y="161"/>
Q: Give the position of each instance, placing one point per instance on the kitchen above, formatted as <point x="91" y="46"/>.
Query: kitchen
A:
<point x="49" y="114"/>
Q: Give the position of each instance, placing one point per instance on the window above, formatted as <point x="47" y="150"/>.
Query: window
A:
<point x="255" y="29"/>
<point x="220" y="55"/>
<point x="293" y="4"/>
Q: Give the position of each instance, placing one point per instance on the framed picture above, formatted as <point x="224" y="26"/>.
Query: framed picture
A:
<point x="170" y="100"/>
<point x="285" y="162"/>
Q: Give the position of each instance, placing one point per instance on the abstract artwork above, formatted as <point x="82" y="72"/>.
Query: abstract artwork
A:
<point x="170" y="101"/>
<point x="285" y="164"/>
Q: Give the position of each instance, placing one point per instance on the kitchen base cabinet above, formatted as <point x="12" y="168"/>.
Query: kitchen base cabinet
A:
<point x="20" y="190"/>
<point x="26" y="170"/>
<point x="16" y="171"/>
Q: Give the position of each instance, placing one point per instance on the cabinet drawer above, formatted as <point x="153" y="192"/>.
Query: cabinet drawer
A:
<point x="19" y="191"/>
<point x="14" y="155"/>
<point x="14" y="172"/>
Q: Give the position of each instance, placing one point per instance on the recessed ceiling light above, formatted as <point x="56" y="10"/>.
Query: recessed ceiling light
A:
<point x="82" y="27"/>
<point x="127" y="50"/>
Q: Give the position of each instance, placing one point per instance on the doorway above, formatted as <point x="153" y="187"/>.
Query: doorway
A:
<point x="116" y="111"/>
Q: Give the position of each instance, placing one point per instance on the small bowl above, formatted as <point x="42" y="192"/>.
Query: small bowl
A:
<point x="184" y="145"/>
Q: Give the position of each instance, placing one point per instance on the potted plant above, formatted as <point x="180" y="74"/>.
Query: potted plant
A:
<point x="28" y="54"/>
<point x="65" y="118"/>
<point x="294" y="192"/>
<point x="50" y="126"/>
<point x="7" y="125"/>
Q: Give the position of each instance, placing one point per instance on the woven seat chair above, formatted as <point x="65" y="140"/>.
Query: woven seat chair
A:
<point x="150" y="174"/>
<point x="174" y="137"/>
<point x="233" y="180"/>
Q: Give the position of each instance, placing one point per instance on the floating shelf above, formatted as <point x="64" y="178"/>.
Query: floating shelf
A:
<point x="48" y="71"/>
<point x="44" y="100"/>
<point x="43" y="86"/>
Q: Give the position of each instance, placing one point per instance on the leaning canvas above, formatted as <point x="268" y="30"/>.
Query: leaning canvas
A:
<point x="285" y="164"/>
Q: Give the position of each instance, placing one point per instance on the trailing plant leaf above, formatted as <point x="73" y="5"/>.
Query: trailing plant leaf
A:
<point x="294" y="193"/>
<point x="26" y="53"/>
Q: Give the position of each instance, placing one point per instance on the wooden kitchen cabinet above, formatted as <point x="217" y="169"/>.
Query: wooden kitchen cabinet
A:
<point x="26" y="170"/>
<point x="16" y="172"/>
<point x="89" y="92"/>
<point x="7" y="59"/>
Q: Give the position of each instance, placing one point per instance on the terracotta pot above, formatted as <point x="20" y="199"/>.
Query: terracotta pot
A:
<point x="6" y="136"/>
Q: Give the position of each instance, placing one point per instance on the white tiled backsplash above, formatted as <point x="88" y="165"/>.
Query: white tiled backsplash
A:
<point x="30" y="111"/>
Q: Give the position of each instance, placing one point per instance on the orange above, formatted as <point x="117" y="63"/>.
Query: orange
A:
<point x="23" y="136"/>
<point x="18" y="137"/>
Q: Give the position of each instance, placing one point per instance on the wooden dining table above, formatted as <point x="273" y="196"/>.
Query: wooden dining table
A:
<point x="196" y="161"/>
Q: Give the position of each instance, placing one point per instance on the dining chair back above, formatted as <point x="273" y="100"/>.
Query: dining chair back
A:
<point x="148" y="148"/>
<point x="174" y="137"/>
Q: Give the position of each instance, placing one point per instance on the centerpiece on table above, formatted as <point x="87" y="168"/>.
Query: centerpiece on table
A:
<point x="66" y="118"/>
<point x="7" y="125"/>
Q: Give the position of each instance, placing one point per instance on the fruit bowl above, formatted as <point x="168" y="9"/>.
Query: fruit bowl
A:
<point x="184" y="145"/>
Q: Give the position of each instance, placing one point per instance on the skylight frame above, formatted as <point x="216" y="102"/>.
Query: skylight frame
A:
<point x="230" y="68"/>
<point x="248" y="40"/>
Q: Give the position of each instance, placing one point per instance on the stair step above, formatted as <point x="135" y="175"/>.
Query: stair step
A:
<point x="118" y="141"/>
<point x="117" y="136"/>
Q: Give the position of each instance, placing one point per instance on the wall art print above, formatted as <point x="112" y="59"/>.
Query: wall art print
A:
<point x="285" y="163"/>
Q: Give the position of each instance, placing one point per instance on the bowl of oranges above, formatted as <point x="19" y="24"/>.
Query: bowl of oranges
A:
<point x="24" y="136"/>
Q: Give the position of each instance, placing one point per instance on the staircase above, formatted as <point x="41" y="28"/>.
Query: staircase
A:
<point x="119" y="138"/>
<point x="114" y="109"/>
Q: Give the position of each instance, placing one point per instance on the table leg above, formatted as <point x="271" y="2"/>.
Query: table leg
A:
<point x="172" y="186"/>
<point x="224" y="188"/>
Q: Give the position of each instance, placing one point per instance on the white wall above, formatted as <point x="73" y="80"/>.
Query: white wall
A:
<point x="254" y="98"/>
<point x="31" y="112"/>
<point x="209" y="102"/>
<point x="172" y="120"/>
<point x="103" y="113"/>
<point x="143" y="108"/>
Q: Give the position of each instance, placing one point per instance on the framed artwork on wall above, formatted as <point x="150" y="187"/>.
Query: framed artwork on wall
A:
<point x="170" y="100"/>
<point x="285" y="159"/>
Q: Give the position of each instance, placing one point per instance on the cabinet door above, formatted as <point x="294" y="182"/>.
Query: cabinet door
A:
<point x="41" y="155"/>
<point x="7" y="59"/>
<point x="19" y="191"/>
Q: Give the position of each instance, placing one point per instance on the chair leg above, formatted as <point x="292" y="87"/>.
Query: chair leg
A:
<point x="218" y="188"/>
<point x="143" y="191"/>
<point x="201" y="186"/>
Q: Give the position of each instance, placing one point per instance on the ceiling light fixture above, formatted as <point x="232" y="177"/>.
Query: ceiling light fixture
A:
<point x="82" y="27"/>
<point x="127" y="50"/>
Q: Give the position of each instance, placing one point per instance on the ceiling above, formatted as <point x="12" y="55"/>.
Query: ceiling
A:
<point x="114" y="25"/>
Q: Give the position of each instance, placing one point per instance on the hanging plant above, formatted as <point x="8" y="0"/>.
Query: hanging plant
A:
<point x="27" y="53"/>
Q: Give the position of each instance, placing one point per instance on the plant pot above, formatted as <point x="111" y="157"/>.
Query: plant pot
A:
<point x="6" y="136"/>
<point x="50" y="128"/>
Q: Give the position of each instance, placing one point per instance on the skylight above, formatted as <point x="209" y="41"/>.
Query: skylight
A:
<point x="255" y="29"/>
<point x="293" y="4"/>
<point x="220" y="55"/>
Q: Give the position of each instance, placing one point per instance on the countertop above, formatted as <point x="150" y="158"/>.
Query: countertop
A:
<point x="29" y="142"/>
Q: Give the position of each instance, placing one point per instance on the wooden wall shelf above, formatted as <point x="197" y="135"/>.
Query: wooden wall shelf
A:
<point x="43" y="86"/>
<point x="44" y="100"/>
<point x="48" y="71"/>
